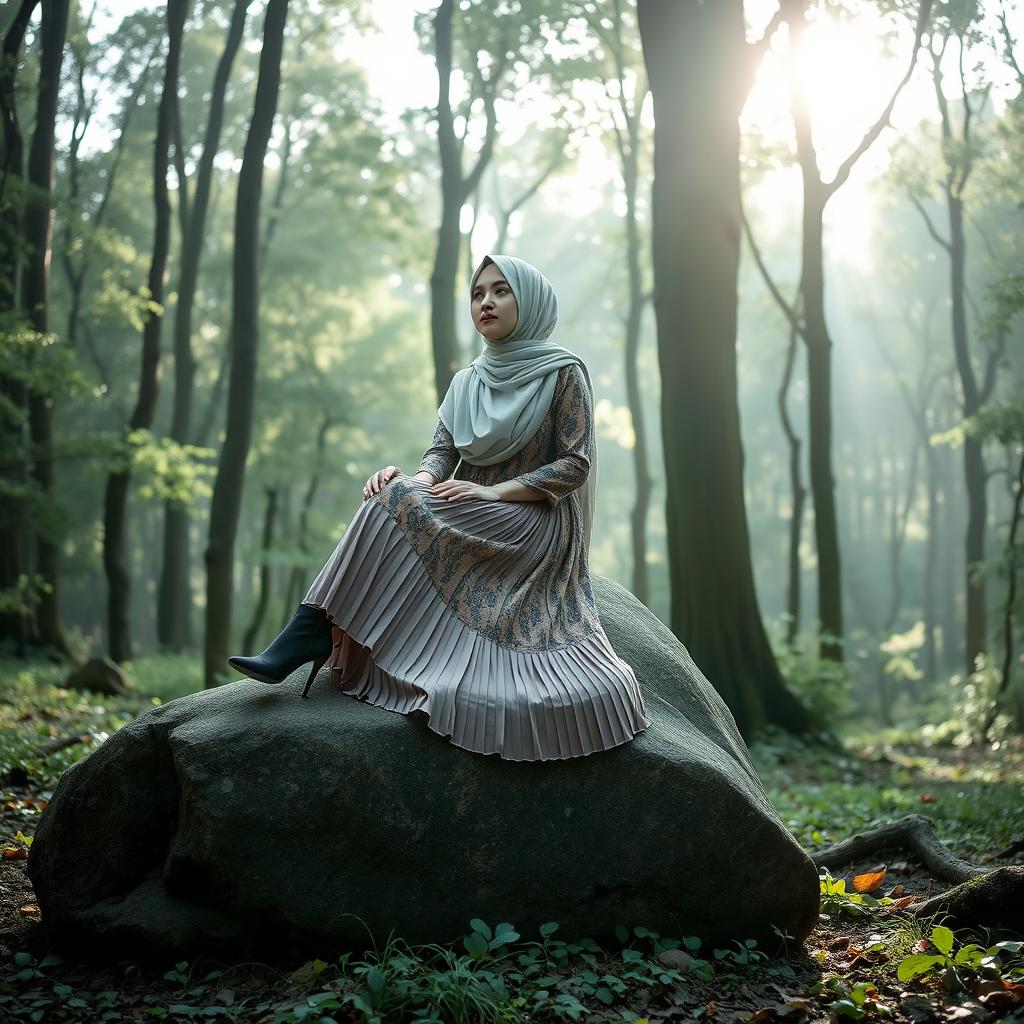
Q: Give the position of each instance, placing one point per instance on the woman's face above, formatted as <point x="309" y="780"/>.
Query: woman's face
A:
<point x="493" y="305"/>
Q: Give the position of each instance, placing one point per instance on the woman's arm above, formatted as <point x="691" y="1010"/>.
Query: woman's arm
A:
<point x="440" y="459"/>
<point x="574" y="428"/>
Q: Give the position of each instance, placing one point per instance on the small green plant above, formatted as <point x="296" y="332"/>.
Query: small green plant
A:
<point x="969" y="961"/>
<point x="835" y="901"/>
<point x="857" y="1002"/>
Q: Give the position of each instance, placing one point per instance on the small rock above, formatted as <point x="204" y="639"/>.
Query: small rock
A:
<point x="99" y="675"/>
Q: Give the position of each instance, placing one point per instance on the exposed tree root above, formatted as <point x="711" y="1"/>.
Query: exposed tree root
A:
<point x="916" y="834"/>
<point x="981" y="896"/>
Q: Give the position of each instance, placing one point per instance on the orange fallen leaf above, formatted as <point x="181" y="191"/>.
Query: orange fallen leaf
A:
<point x="926" y="798"/>
<point x="869" y="881"/>
<point x="14" y="852"/>
<point x="904" y="901"/>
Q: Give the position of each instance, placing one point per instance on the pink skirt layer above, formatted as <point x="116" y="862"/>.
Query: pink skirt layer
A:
<point x="399" y="646"/>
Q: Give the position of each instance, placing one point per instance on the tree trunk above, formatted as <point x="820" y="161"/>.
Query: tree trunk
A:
<point x="37" y="230"/>
<point x="974" y="463"/>
<point x="819" y="388"/>
<point x="695" y="54"/>
<point x="931" y="552"/>
<point x="455" y="188"/>
<point x="115" y="538"/>
<point x="263" y="594"/>
<point x="15" y="531"/>
<point x="174" y="608"/>
<point x="298" y="582"/>
<point x="227" y="492"/>
<point x="798" y="496"/>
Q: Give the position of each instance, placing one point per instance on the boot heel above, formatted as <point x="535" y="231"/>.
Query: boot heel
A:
<point x="318" y="664"/>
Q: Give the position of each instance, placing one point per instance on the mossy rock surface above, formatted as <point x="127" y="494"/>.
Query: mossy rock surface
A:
<point x="244" y="815"/>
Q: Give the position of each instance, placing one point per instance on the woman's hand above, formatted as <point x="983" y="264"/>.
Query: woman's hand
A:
<point x="453" y="490"/>
<point x="378" y="480"/>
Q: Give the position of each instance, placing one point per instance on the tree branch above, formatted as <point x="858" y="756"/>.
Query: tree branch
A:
<point x="876" y="129"/>
<point x="789" y="312"/>
<point x="929" y="225"/>
<point x="1009" y="43"/>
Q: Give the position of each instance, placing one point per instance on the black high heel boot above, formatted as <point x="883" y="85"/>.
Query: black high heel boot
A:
<point x="307" y="635"/>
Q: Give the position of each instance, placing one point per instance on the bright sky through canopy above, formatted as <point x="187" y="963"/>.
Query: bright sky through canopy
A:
<point x="845" y="70"/>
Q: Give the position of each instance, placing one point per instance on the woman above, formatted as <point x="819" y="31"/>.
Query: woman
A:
<point x="467" y="597"/>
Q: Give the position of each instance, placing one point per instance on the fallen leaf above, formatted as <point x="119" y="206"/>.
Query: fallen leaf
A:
<point x="999" y="993"/>
<point x="870" y="880"/>
<point x="926" y="798"/>
<point x="29" y="908"/>
<point x="14" y="852"/>
<point x="905" y="901"/>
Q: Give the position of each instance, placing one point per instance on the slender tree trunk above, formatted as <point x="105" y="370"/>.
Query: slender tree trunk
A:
<point x="15" y="532"/>
<point x="974" y="463"/>
<point x="298" y="582"/>
<point x="643" y="484"/>
<point x="38" y="232"/>
<point x="455" y="188"/>
<point x="695" y="54"/>
<point x="263" y="587"/>
<point x="77" y="273"/>
<point x="227" y="492"/>
<point x="115" y="536"/>
<point x="931" y="553"/>
<point x="798" y="497"/>
<point x="952" y="555"/>
<point x="174" y="616"/>
<point x="1005" y="668"/>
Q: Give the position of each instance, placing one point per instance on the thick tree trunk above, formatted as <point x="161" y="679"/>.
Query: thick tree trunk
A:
<point x="227" y="492"/>
<point x="174" y="607"/>
<point x="15" y="532"/>
<point x="37" y="228"/>
<point x="115" y="537"/>
<point x="695" y="54"/>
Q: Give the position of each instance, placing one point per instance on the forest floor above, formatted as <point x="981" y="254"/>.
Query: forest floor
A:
<point x="847" y="968"/>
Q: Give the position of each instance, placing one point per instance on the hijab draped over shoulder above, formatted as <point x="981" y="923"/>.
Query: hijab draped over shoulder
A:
<point x="496" y="404"/>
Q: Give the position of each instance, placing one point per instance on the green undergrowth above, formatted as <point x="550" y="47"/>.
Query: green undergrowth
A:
<point x="495" y="976"/>
<point x="492" y="975"/>
<point x="866" y="960"/>
<point x="974" y="796"/>
<point x="37" y="710"/>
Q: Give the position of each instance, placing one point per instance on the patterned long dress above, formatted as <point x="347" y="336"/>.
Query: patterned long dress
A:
<point x="479" y="614"/>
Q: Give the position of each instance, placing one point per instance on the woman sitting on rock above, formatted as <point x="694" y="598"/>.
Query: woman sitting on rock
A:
<point x="463" y="592"/>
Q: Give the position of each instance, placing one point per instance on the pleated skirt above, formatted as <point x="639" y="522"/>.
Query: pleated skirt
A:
<point x="398" y="645"/>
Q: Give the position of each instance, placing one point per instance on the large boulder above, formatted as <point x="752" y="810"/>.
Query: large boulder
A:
<point x="245" y="818"/>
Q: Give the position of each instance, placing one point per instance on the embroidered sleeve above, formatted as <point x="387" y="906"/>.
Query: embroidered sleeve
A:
<point x="574" y="429"/>
<point x="441" y="458"/>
